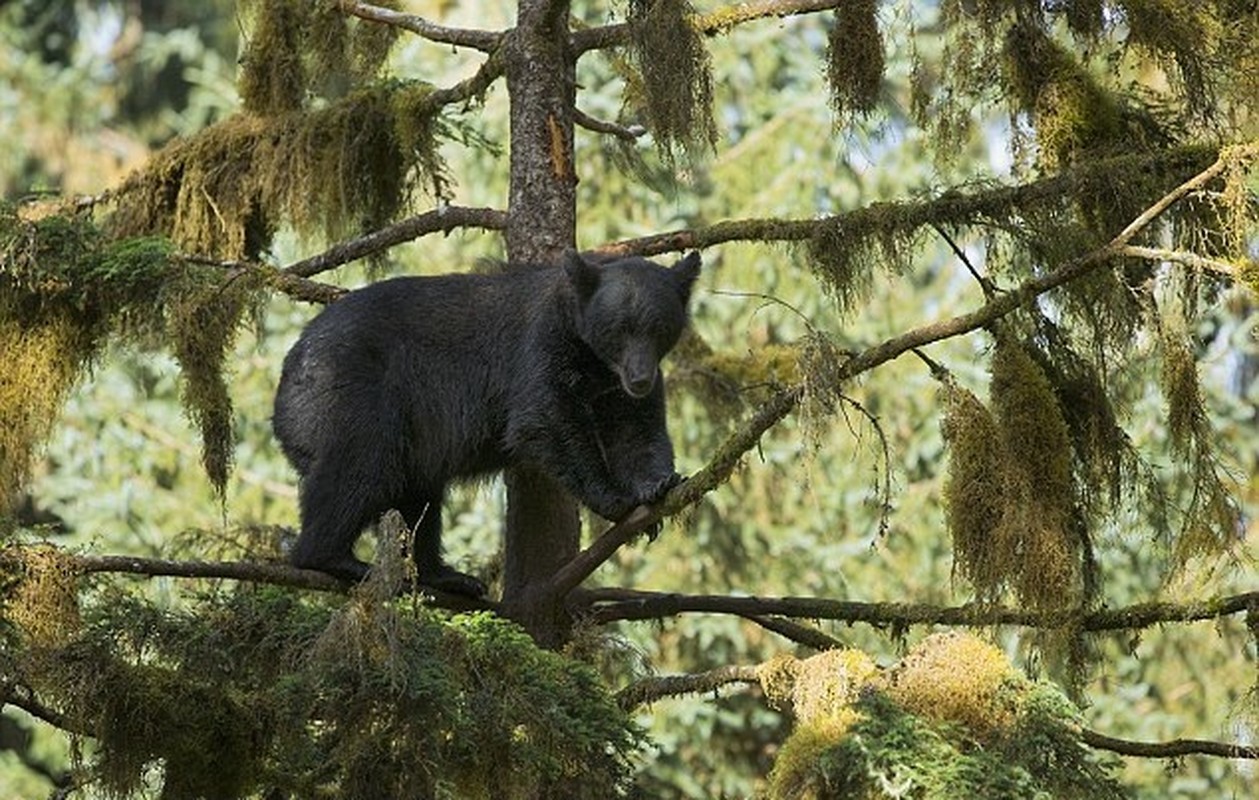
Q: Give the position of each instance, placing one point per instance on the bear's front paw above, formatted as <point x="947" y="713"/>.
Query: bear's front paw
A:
<point x="654" y="491"/>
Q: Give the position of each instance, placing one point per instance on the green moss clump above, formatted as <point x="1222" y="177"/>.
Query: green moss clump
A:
<point x="259" y="692"/>
<point x="64" y="289"/>
<point x="953" y="719"/>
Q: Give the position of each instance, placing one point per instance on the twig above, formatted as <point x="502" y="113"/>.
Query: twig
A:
<point x="656" y="605"/>
<point x="989" y="288"/>
<point x="294" y="286"/>
<point x="629" y="134"/>
<point x="650" y="689"/>
<point x="1176" y="748"/>
<point x="444" y="219"/>
<point x="482" y="40"/>
<point x="1191" y="260"/>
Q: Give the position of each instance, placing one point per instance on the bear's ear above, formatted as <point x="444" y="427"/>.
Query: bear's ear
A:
<point x="685" y="272"/>
<point x="583" y="275"/>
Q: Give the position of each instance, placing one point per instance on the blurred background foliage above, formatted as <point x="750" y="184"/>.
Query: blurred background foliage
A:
<point x="89" y="88"/>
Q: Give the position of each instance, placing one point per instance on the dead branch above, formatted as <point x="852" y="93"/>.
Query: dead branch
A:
<point x="629" y="134"/>
<point x="1177" y="748"/>
<point x="485" y="41"/>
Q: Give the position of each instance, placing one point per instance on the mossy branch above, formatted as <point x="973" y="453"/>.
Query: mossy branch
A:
<point x="946" y="209"/>
<point x="254" y="572"/>
<point x="607" y="605"/>
<point x="444" y="220"/>
<point x="485" y="41"/>
<point x="648" y="690"/>
<point x="711" y="24"/>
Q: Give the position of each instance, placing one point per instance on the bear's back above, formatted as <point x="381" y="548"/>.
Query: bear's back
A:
<point x="431" y="362"/>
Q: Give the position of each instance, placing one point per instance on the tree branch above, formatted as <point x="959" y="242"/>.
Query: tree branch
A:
<point x="610" y="605"/>
<point x="1191" y="260"/>
<point x="1177" y="748"/>
<point x="800" y="634"/>
<point x="630" y="134"/>
<point x="444" y="219"/>
<point x="731" y="452"/>
<point x="711" y="24"/>
<point x="650" y="689"/>
<point x="271" y="573"/>
<point x="485" y="41"/>
<point x="978" y="205"/>
<point x="294" y="286"/>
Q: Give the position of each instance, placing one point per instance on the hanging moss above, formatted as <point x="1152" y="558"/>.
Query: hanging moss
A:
<point x="204" y="327"/>
<point x="39" y="595"/>
<point x="1181" y="34"/>
<point x="974" y="492"/>
<point x="64" y="288"/>
<point x="1040" y="491"/>
<point x="1010" y="494"/>
<point x="340" y="170"/>
<point x="1211" y="518"/>
<point x="296" y="48"/>
<point x="854" y="59"/>
<point x="677" y="85"/>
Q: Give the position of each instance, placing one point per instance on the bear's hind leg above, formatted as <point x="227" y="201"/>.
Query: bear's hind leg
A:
<point x="424" y="516"/>
<point x="334" y="511"/>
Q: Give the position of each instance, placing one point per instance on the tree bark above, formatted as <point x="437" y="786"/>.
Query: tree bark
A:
<point x="543" y="526"/>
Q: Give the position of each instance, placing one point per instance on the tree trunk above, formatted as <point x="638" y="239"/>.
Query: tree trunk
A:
<point x="543" y="526"/>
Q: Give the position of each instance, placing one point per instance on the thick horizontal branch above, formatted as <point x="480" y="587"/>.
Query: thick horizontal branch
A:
<point x="1177" y="748"/>
<point x="711" y="24"/>
<point x="442" y="220"/>
<point x="272" y="573"/>
<point x="482" y="40"/>
<point x="610" y="605"/>
<point x="977" y="204"/>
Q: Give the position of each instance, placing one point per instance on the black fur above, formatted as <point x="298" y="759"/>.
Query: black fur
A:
<point x="401" y="387"/>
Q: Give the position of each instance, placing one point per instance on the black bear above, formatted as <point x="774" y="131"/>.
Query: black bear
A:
<point x="401" y="387"/>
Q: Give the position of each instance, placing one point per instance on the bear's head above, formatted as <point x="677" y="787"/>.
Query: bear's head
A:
<point x="630" y="312"/>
